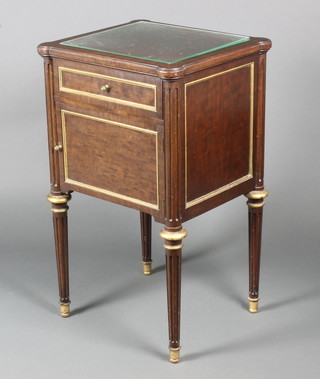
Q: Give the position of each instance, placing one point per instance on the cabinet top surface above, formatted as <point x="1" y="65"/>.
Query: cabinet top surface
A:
<point x="156" y="42"/>
<point x="164" y="50"/>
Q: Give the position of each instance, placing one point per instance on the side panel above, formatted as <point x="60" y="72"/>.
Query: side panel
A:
<point x="219" y="132"/>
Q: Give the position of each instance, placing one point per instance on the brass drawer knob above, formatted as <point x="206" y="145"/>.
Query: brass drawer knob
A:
<point x="105" y="88"/>
<point x="58" y="148"/>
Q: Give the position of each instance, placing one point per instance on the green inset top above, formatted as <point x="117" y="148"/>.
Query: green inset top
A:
<point x="156" y="42"/>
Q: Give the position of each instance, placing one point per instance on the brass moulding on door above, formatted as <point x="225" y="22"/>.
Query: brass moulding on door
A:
<point x="102" y="190"/>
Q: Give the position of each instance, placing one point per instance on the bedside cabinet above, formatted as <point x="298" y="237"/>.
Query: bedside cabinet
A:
<point x="164" y="119"/>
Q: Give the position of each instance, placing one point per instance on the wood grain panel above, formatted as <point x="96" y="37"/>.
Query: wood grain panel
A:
<point x="110" y="157"/>
<point x="219" y="122"/>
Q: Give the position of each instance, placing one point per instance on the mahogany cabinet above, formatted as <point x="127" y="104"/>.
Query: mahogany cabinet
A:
<point x="164" y="119"/>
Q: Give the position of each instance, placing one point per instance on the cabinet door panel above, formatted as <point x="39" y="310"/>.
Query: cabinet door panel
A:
<point x="112" y="158"/>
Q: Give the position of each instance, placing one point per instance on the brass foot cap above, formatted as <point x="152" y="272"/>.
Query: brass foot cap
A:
<point x="174" y="355"/>
<point x="146" y="268"/>
<point x="65" y="309"/>
<point x="253" y="305"/>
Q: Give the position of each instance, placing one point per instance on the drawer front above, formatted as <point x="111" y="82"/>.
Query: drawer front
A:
<point x="108" y="88"/>
<point x="114" y="159"/>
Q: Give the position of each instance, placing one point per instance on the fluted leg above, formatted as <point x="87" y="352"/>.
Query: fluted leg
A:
<point x="255" y="203"/>
<point x="173" y="248"/>
<point x="145" y="225"/>
<point x="59" y="210"/>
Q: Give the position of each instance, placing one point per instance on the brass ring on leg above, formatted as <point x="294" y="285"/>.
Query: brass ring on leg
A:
<point x="59" y="202"/>
<point x="174" y="354"/>
<point x="58" y="199"/>
<point x="255" y="205"/>
<point x="146" y="268"/>
<point x="65" y="310"/>
<point x="257" y="195"/>
<point x="253" y="305"/>
<point x="173" y="236"/>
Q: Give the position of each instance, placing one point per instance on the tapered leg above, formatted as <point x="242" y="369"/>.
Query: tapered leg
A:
<point x="255" y="203"/>
<point x="59" y="210"/>
<point x="145" y="224"/>
<point x="173" y="247"/>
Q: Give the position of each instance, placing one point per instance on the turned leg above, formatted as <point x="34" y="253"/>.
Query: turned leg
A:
<point x="173" y="247"/>
<point x="145" y="225"/>
<point x="59" y="210"/>
<point x="255" y="206"/>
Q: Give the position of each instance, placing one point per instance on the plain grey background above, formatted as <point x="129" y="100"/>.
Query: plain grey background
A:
<point x="119" y="323"/>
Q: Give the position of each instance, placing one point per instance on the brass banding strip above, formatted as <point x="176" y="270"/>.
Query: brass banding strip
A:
<point x="218" y="191"/>
<point x="103" y="97"/>
<point x="113" y="194"/>
<point x="173" y="247"/>
<point x="255" y="205"/>
<point x="243" y="179"/>
<point x="59" y="210"/>
<point x="173" y="236"/>
<point x="58" y="199"/>
<point x="250" y="299"/>
<point x="257" y="195"/>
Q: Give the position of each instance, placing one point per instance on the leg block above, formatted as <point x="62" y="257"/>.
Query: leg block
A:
<point x="173" y="249"/>
<point x="59" y="210"/>
<point x="145" y="225"/>
<point x="255" y="207"/>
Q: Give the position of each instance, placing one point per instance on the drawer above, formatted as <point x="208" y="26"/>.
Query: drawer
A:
<point x="107" y="88"/>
